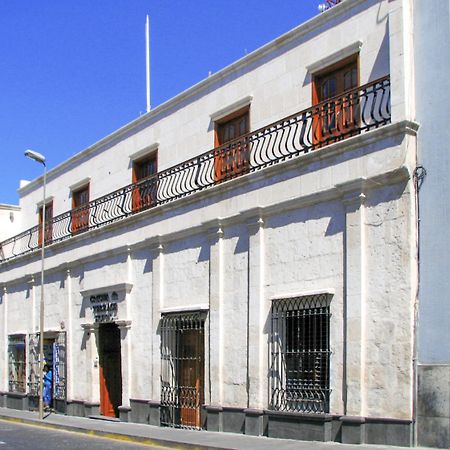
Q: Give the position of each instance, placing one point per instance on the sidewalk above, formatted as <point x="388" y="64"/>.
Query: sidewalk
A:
<point x="172" y="437"/>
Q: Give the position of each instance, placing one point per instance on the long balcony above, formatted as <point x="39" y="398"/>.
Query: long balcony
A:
<point x="357" y="111"/>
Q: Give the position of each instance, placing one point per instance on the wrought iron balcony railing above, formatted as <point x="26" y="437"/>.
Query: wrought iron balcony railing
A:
<point x="356" y="111"/>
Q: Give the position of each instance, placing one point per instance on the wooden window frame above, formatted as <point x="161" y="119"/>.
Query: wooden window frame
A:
<point x="49" y="223"/>
<point x="144" y="195"/>
<point x="80" y="217"/>
<point x="232" y="157"/>
<point x="338" y="118"/>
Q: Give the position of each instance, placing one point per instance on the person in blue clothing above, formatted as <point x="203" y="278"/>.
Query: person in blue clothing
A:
<point x="48" y="381"/>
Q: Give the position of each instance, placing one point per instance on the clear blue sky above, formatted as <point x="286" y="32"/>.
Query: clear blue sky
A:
<point x="73" y="71"/>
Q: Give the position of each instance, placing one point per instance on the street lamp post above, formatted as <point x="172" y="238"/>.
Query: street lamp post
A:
<point x="41" y="159"/>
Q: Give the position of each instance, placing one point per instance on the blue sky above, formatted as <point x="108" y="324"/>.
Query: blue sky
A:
<point x="73" y="71"/>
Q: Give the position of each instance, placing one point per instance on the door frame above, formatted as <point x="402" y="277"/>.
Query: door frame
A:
<point x="334" y="106"/>
<point x="110" y="360"/>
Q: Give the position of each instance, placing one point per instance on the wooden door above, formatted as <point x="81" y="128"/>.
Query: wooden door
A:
<point x="337" y="114"/>
<point x="80" y="213"/>
<point x="144" y="195"/>
<point x="110" y="370"/>
<point x="191" y="376"/>
<point x="233" y="159"/>
<point x="48" y="224"/>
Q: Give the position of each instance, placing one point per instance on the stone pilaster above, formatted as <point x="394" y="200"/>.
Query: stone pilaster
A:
<point x="129" y="281"/>
<point x="92" y="364"/>
<point x="355" y="300"/>
<point x="216" y="280"/>
<point x="257" y="313"/>
<point x="70" y="363"/>
<point x="34" y="312"/>
<point x="157" y="305"/>
<point x="125" y="352"/>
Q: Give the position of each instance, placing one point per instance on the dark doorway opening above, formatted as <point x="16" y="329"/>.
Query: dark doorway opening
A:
<point x="110" y="370"/>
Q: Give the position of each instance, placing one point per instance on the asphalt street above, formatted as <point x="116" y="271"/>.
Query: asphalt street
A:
<point x="16" y="436"/>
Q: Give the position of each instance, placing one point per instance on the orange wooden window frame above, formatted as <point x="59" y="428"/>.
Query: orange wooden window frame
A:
<point x="144" y="197"/>
<point x="344" y="112"/>
<point x="80" y="219"/>
<point x="49" y="227"/>
<point x="233" y="161"/>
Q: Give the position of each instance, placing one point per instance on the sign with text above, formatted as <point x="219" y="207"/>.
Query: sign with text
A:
<point x="104" y="307"/>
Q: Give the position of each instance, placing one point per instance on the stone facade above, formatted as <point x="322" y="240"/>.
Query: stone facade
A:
<point x="339" y="222"/>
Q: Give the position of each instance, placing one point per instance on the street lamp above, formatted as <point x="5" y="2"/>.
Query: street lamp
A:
<point x="41" y="159"/>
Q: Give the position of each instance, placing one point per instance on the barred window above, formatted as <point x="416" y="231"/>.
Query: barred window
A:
<point x="182" y="369"/>
<point x="300" y="354"/>
<point x="16" y="363"/>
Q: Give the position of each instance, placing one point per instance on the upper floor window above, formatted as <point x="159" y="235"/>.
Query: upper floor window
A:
<point x="144" y="194"/>
<point x="80" y="209"/>
<point x="48" y="223"/>
<point x="338" y="114"/>
<point x="232" y="158"/>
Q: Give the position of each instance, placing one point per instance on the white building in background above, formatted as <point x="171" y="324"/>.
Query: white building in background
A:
<point x="9" y="217"/>
<point x="242" y="258"/>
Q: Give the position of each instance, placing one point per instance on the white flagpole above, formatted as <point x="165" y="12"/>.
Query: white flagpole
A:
<point x="147" y="60"/>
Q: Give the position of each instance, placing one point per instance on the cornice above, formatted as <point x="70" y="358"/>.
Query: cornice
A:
<point x="330" y="292"/>
<point x="107" y="288"/>
<point x="188" y="308"/>
<point x="5" y="206"/>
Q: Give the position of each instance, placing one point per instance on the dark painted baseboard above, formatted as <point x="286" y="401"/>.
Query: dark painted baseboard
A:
<point x="255" y="422"/>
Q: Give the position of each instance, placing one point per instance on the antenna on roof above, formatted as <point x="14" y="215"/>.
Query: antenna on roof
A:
<point x="327" y="5"/>
<point x="147" y="60"/>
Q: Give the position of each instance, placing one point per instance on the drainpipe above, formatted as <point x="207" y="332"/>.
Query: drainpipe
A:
<point x="419" y="177"/>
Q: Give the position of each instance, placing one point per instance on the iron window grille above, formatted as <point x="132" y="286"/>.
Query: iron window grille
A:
<point x="58" y="361"/>
<point x="300" y="354"/>
<point x="59" y="366"/>
<point x="33" y="364"/>
<point x="182" y="369"/>
<point x="16" y="363"/>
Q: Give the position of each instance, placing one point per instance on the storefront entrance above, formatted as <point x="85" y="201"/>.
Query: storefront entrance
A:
<point x="55" y="361"/>
<point x="110" y="370"/>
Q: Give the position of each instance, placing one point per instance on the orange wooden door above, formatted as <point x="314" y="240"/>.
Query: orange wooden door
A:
<point x="191" y="377"/>
<point x="48" y="224"/>
<point x="337" y="113"/>
<point x="233" y="159"/>
<point x="110" y="370"/>
<point x="144" y="195"/>
<point x="106" y="406"/>
<point x="80" y="205"/>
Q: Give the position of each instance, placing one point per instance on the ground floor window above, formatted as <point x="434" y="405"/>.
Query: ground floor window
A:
<point x="182" y="369"/>
<point x="300" y="354"/>
<point x="16" y="363"/>
<point x="54" y="359"/>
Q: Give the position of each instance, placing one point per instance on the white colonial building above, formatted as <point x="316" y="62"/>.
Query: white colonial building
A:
<point x="244" y="257"/>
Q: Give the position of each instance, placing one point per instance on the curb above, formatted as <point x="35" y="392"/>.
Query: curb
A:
<point x="116" y="436"/>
